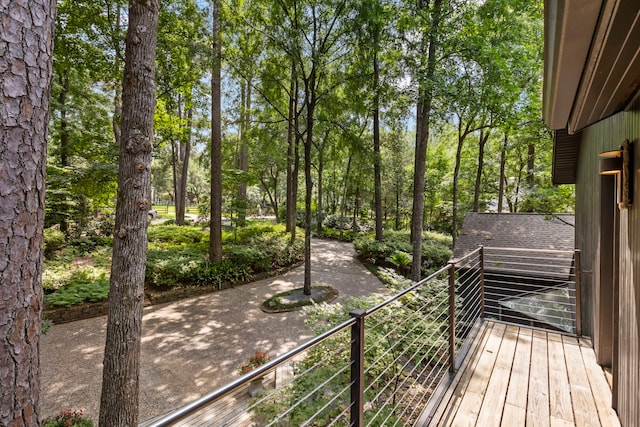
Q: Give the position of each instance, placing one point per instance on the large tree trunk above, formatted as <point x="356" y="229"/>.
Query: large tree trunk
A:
<point x="25" y="76"/>
<point x="482" y="142"/>
<point x="377" y="174"/>
<point x="423" y="120"/>
<point x="120" y="378"/>
<point x="503" y="162"/>
<point x="215" y="223"/>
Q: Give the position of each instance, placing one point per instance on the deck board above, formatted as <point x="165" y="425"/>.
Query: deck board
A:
<point x="518" y="376"/>
<point x="559" y="391"/>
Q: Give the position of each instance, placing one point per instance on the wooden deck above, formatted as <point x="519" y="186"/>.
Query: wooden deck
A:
<point x="515" y="376"/>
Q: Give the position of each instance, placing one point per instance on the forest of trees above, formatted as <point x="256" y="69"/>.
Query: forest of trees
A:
<point x="310" y="95"/>
<point x="375" y="114"/>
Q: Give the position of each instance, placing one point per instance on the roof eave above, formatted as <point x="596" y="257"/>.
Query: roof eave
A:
<point x="569" y="28"/>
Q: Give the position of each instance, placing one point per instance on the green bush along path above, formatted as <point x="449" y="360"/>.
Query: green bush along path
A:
<point x="194" y="346"/>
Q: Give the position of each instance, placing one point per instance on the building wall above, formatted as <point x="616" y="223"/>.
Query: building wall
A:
<point x="604" y="136"/>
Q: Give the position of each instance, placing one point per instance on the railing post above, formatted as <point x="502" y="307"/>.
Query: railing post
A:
<point x="482" y="282"/>
<point x="578" y="280"/>
<point x="357" y="368"/>
<point x="452" y="317"/>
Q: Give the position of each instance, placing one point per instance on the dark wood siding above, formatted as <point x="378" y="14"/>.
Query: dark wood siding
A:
<point x="603" y="136"/>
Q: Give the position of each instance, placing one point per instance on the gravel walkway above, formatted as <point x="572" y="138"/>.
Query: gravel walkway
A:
<point x="193" y="346"/>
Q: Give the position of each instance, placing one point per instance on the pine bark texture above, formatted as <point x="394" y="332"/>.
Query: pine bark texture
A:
<point x="120" y="381"/>
<point x="26" y="48"/>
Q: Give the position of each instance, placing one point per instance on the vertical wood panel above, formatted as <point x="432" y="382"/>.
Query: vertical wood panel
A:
<point x="606" y="135"/>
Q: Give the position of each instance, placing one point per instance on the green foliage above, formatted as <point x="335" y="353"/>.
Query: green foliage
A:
<point x="332" y="233"/>
<point x="436" y="249"/>
<point x="414" y="337"/>
<point x="173" y="265"/>
<point x="54" y="240"/>
<point x="169" y="234"/>
<point x="178" y="255"/>
<point x="86" y="284"/>
<point x="217" y="273"/>
<point x="87" y="244"/>
<point x="46" y="325"/>
<point x="68" y="418"/>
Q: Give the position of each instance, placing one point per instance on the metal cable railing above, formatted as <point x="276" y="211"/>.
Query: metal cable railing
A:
<point x="384" y="365"/>
<point x="537" y="288"/>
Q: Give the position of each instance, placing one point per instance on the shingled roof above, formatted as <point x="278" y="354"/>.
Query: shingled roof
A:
<point x="515" y="230"/>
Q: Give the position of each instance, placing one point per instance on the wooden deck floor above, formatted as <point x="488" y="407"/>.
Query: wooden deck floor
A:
<point x="515" y="376"/>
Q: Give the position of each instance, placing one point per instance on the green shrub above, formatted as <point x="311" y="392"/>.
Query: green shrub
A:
<point x="255" y="257"/>
<point x="177" y="235"/>
<point x="87" y="244"/>
<point x="54" y="240"/>
<point x="172" y="266"/>
<point x="332" y="233"/>
<point x="217" y="273"/>
<point x="436" y="248"/>
<point x="87" y="284"/>
<point x="369" y="248"/>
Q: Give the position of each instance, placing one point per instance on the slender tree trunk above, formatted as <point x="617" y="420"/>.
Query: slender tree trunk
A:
<point x="320" y="209"/>
<point x="175" y="167"/>
<point x="64" y="131"/>
<point x="185" y="154"/>
<point x="296" y="176"/>
<point x="64" y="138"/>
<point x="215" y="223"/>
<point x="503" y="161"/>
<point x="181" y="150"/>
<point x="482" y="142"/>
<point x="25" y="88"/>
<point x="273" y="196"/>
<point x="531" y="156"/>
<point x="120" y="378"/>
<point x="243" y="155"/>
<point x="117" y="98"/>
<point x="423" y="120"/>
<point x="397" y="217"/>
<point x="291" y="140"/>
<point x="310" y="102"/>
<point x="343" y="204"/>
<point x="377" y="174"/>
<point x="456" y="175"/>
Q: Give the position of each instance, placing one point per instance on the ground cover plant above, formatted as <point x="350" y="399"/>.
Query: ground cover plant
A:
<point x="402" y="341"/>
<point x="395" y="250"/>
<point x="76" y="270"/>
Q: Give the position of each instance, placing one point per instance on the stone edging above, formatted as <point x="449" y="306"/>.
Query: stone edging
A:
<point x="94" y="309"/>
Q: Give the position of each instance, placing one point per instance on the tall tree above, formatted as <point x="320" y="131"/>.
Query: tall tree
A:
<point x="215" y="224"/>
<point x="120" y="378"/>
<point x="429" y="45"/>
<point x="315" y="30"/>
<point x="26" y="42"/>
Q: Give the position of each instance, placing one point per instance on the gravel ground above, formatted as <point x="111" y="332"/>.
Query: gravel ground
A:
<point x="193" y="346"/>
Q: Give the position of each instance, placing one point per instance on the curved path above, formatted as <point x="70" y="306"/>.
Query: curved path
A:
<point x="193" y="346"/>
